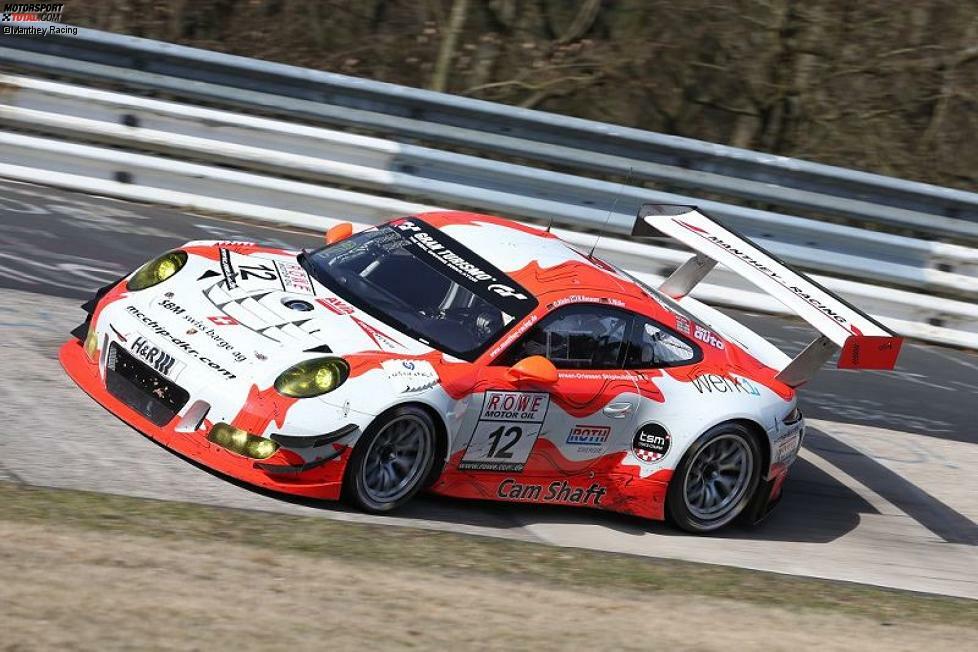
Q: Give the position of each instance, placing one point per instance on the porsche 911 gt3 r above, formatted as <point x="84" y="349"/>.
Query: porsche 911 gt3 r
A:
<point x="470" y="356"/>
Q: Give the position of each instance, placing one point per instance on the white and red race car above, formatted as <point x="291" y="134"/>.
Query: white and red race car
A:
<point x="471" y="356"/>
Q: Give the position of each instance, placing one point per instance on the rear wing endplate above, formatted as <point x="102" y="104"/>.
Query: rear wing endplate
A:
<point x="864" y="342"/>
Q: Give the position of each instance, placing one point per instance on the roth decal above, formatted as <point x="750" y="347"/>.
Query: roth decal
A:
<point x="588" y="435"/>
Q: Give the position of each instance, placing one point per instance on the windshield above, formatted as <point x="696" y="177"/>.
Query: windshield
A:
<point x="422" y="282"/>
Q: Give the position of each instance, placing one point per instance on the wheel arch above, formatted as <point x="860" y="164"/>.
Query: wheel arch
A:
<point x="763" y="441"/>
<point x="753" y="427"/>
<point x="441" y="435"/>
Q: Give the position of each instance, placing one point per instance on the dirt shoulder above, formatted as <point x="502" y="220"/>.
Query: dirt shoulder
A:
<point x="89" y="571"/>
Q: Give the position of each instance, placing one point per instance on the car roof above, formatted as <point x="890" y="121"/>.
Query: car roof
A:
<point x="537" y="259"/>
<point x="557" y="274"/>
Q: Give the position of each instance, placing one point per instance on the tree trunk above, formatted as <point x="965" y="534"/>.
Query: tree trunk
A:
<point x="439" y="79"/>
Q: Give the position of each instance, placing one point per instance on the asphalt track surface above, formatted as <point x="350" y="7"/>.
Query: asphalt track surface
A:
<point x="884" y="491"/>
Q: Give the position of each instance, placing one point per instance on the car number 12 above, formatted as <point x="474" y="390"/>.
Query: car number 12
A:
<point x="508" y="427"/>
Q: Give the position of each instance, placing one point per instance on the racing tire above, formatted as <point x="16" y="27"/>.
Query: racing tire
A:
<point x="391" y="461"/>
<point x="716" y="479"/>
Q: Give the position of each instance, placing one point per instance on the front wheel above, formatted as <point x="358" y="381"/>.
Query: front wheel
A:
<point x="391" y="460"/>
<point x="715" y="480"/>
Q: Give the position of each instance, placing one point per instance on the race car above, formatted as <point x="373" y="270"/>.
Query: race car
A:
<point x="469" y="356"/>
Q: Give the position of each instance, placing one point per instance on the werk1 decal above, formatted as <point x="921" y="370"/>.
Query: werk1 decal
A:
<point x="508" y="426"/>
<point x="716" y="384"/>
<point x="651" y="443"/>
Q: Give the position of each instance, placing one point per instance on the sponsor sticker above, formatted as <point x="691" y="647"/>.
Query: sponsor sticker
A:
<point x="294" y="278"/>
<point x="788" y="447"/>
<point x="715" y="384"/>
<point x="514" y="335"/>
<point x="584" y="298"/>
<point x="560" y="491"/>
<point x="524" y="407"/>
<point x="230" y="278"/>
<point x="383" y="341"/>
<point x="223" y="320"/>
<point x="410" y="375"/>
<point x="708" y="337"/>
<point x="197" y="325"/>
<point x="185" y="346"/>
<point x="509" y="425"/>
<point x="682" y="324"/>
<point x="336" y="305"/>
<point x="582" y="435"/>
<point x="253" y="273"/>
<point x="156" y="357"/>
<point x="651" y="443"/>
<point x="439" y="250"/>
<point x="757" y="262"/>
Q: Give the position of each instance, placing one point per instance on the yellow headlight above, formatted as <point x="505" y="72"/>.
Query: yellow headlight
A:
<point x="312" y="377"/>
<point x="238" y="441"/>
<point x="157" y="271"/>
<point x="261" y="448"/>
<point x="91" y="344"/>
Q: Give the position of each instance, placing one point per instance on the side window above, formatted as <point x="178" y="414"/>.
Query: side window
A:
<point x="579" y="336"/>
<point x="652" y="345"/>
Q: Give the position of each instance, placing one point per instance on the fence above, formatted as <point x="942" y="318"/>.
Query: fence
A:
<point x="217" y="160"/>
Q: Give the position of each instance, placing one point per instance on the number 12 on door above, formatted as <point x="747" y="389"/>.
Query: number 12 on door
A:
<point x="500" y="446"/>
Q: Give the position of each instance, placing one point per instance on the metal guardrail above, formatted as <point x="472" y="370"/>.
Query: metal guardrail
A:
<point x="202" y="134"/>
<point x="200" y="188"/>
<point x="531" y="135"/>
<point x="208" y="160"/>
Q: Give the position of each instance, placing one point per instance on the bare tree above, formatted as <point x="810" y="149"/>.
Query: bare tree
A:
<point x="443" y="66"/>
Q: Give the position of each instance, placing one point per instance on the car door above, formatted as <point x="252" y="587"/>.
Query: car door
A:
<point x="653" y="347"/>
<point x="563" y="427"/>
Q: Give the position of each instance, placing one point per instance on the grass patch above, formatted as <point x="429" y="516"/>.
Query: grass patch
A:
<point x="449" y="554"/>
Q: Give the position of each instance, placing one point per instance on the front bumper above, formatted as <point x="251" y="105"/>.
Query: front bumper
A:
<point x="323" y="481"/>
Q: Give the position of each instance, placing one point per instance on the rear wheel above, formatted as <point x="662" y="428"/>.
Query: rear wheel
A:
<point x="716" y="479"/>
<point x="391" y="460"/>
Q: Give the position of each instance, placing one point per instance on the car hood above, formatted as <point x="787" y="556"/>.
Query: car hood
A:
<point x="248" y="303"/>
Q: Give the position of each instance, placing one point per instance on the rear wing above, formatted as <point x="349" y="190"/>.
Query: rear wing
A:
<point x="864" y="342"/>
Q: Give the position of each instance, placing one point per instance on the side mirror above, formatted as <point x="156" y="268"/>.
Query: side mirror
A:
<point x="535" y="369"/>
<point x="338" y="232"/>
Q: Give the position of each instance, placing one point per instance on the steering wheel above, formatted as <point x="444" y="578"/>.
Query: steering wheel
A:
<point x="480" y="322"/>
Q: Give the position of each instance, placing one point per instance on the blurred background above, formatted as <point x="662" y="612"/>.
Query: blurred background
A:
<point x="875" y="85"/>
